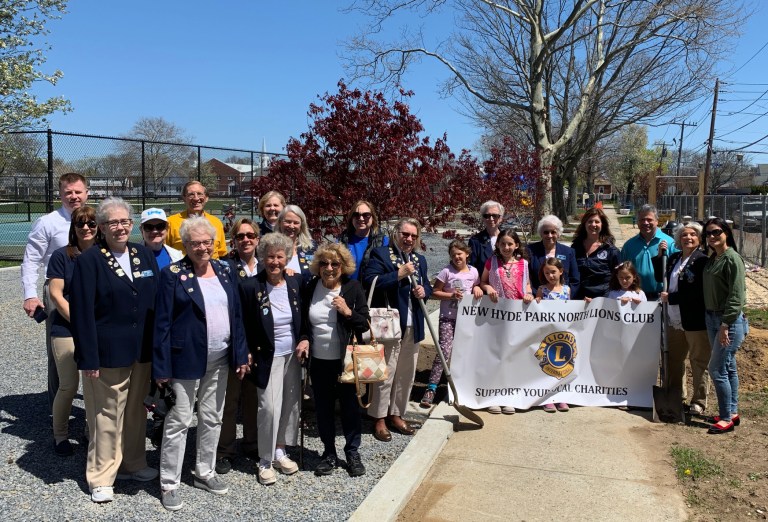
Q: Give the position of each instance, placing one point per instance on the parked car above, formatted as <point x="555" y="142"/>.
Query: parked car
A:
<point x="752" y="217"/>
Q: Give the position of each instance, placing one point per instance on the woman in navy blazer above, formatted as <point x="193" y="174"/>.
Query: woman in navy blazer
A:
<point x="112" y="302"/>
<point x="550" y="229"/>
<point x="278" y="344"/>
<point x="394" y="265"/>
<point x="198" y="335"/>
<point x="482" y="244"/>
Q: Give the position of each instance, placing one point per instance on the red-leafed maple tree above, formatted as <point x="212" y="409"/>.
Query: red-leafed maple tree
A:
<point x="360" y="146"/>
<point x="512" y="176"/>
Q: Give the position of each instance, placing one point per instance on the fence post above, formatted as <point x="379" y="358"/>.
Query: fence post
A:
<point x="762" y="229"/>
<point x="49" y="182"/>
<point x="250" y="190"/>
<point x="199" y="157"/>
<point x="143" y="180"/>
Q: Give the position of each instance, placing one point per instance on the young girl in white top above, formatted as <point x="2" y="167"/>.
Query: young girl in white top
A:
<point x="451" y="284"/>
<point x="625" y="284"/>
<point x="551" y="272"/>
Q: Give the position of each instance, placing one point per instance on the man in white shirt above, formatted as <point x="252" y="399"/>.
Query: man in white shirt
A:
<point x="49" y="233"/>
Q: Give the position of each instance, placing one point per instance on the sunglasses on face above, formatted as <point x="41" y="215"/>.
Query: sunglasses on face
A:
<point x="365" y="215"/>
<point x="243" y="235"/>
<point x="492" y="216"/>
<point x="149" y="227"/>
<point x="406" y="235"/>
<point x="332" y="264"/>
<point x="549" y="232"/>
<point x="82" y="224"/>
<point x="714" y="232"/>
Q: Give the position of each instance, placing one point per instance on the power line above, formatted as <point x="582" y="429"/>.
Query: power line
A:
<point x="751" y="58"/>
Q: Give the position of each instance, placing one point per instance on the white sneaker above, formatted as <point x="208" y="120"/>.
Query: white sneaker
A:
<point x="285" y="465"/>
<point x="102" y="494"/>
<point x="267" y="476"/>
<point x="493" y="409"/>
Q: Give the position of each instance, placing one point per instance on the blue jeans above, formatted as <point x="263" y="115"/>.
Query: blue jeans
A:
<point x="722" y="364"/>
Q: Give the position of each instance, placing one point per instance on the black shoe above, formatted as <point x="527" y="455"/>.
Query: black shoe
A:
<point x="63" y="448"/>
<point x="355" y="466"/>
<point x="223" y="465"/>
<point x="327" y="464"/>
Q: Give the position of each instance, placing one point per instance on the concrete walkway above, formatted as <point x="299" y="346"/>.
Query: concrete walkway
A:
<point x="586" y="464"/>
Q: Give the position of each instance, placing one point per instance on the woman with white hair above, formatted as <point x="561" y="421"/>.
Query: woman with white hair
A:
<point x="278" y="344"/>
<point x="112" y="303"/>
<point x="550" y="229"/>
<point x="483" y="243"/>
<point x="198" y="336"/>
<point x="293" y="223"/>
<point x="687" y="332"/>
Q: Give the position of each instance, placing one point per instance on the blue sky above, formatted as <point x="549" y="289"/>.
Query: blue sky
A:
<point x="247" y="71"/>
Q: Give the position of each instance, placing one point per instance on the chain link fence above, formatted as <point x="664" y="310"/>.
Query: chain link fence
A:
<point x="145" y="173"/>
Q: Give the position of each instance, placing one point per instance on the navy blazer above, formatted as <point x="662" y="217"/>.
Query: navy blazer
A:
<point x="181" y="333"/>
<point x="690" y="288"/>
<point x="480" y="250"/>
<point x="112" y="316"/>
<point x="259" y="323"/>
<point x="567" y="257"/>
<point x="385" y="262"/>
<point x="352" y="292"/>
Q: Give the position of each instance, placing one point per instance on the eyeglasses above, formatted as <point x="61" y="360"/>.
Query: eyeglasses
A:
<point x="119" y="223"/>
<point x="195" y="195"/>
<point x="492" y="216"/>
<point x="332" y="264"/>
<point x="406" y="235"/>
<point x="365" y="215"/>
<point x="82" y="224"/>
<point x="243" y="235"/>
<point x="149" y="227"/>
<point x="714" y="233"/>
<point x="197" y="244"/>
<point x="549" y="232"/>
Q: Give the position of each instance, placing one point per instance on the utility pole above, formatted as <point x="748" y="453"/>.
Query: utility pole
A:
<point x="704" y="179"/>
<point x="680" y="145"/>
<point x="652" y="189"/>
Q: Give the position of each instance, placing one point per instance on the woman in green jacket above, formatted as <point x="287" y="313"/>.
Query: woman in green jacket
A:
<point x="724" y="298"/>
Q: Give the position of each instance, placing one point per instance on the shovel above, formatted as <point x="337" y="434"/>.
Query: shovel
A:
<point x="667" y="404"/>
<point x="465" y="411"/>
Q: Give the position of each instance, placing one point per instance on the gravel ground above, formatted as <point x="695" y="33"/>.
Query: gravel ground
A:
<point x="35" y="484"/>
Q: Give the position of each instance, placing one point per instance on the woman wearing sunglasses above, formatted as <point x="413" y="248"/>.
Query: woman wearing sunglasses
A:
<point x="244" y="238"/>
<point x="483" y="243"/>
<point x="154" y="230"/>
<point x="82" y="235"/>
<point x="362" y="235"/>
<point x="724" y="299"/>
<point x="334" y="308"/>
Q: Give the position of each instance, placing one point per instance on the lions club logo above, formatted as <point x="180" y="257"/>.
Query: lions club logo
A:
<point x="556" y="354"/>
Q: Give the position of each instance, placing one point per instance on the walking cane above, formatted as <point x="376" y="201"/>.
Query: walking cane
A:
<point x="303" y="380"/>
<point x="464" y="410"/>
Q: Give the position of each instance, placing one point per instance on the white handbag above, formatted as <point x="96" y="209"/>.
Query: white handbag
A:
<point x="385" y="322"/>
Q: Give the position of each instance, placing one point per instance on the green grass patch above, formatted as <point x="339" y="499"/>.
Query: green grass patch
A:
<point x="692" y="464"/>
<point x="626" y="220"/>
<point x="6" y="264"/>
<point x="754" y="404"/>
<point x="758" y="317"/>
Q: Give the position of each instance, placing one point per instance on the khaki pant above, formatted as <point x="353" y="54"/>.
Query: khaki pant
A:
<point x="117" y="422"/>
<point x="243" y="394"/>
<point x="391" y="396"/>
<point x="696" y="347"/>
<point x="279" y="406"/>
<point x="69" y="379"/>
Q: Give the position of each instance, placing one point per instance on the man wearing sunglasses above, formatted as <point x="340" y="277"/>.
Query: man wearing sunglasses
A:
<point x="642" y="248"/>
<point x="154" y="230"/>
<point x="49" y="233"/>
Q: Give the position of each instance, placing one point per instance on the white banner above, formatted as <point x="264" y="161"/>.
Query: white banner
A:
<point x="597" y="354"/>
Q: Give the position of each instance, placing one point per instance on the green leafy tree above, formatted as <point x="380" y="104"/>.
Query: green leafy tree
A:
<point x="22" y="27"/>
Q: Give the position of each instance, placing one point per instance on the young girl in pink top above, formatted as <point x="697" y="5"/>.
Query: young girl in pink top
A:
<point x="506" y="276"/>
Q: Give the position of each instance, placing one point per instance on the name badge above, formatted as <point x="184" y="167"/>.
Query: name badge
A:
<point x="147" y="273"/>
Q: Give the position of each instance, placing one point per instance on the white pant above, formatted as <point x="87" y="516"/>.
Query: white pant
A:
<point x="278" y="415"/>
<point x="210" y="392"/>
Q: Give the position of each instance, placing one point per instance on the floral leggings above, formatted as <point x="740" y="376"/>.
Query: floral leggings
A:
<point x="446" y="327"/>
